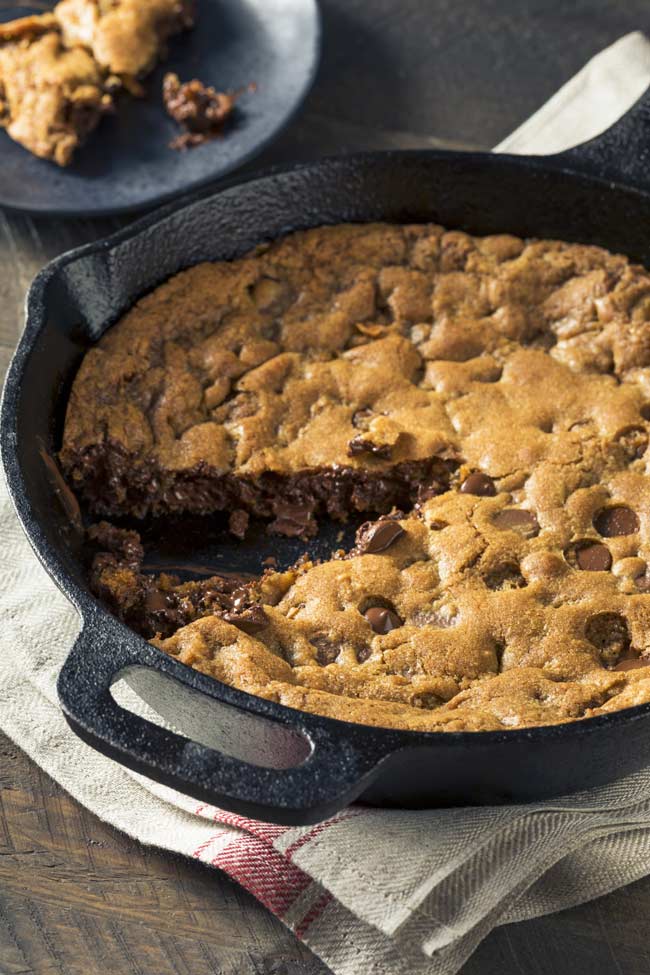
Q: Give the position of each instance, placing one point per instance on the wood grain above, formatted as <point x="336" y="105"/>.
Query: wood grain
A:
<point x="79" y="898"/>
<point x="76" y="896"/>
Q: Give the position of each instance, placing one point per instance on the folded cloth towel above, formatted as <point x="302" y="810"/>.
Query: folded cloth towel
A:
<point x="386" y="892"/>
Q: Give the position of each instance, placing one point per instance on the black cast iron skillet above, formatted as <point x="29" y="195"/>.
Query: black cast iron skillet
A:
<point x="236" y="751"/>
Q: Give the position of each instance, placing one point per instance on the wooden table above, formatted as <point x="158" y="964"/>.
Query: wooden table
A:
<point x="77" y="897"/>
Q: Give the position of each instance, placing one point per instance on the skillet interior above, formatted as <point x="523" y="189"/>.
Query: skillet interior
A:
<point x="79" y="295"/>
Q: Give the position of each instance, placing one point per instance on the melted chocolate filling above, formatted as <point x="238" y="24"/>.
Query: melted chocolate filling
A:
<point x="110" y="482"/>
<point x="158" y="604"/>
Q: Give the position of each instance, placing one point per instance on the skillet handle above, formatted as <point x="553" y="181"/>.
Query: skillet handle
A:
<point x="620" y="154"/>
<point x="317" y="770"/>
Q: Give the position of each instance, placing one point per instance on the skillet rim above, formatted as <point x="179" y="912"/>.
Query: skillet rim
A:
<point x="89" y="608"/>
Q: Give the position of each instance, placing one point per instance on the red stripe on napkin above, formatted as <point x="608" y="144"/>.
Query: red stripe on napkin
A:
<point x="312" y="914"/>
<point x="263" y="871"/>
<point x="268" y="874"/>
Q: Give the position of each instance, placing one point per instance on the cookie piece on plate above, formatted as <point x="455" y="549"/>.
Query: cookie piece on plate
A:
<point x="199" y="109"/>
<point x="51" y="96"/>
<point x="125" y="37"/>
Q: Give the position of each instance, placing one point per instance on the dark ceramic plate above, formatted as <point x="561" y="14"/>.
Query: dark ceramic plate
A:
<point x="127" y="163"/>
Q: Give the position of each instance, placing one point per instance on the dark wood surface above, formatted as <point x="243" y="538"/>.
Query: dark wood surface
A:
<point x="77" y="897"/>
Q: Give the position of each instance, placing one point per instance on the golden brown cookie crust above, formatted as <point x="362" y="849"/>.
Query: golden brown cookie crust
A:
<point x="125" y="37"/>
<point x="51" y="96"/>
<point x="515" y="596"/>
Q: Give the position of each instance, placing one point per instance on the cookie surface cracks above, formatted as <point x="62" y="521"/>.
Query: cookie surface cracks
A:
<point x="519" y="600"/>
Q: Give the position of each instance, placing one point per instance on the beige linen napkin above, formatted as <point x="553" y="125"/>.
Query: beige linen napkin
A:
<point x="371" y="891"/>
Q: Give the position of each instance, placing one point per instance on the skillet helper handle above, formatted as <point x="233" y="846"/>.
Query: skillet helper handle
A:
<point x="620" y="154"/>
<point x="334" y="772"/>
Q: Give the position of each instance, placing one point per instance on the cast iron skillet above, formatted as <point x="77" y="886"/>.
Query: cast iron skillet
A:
<point x="236" y="751"/>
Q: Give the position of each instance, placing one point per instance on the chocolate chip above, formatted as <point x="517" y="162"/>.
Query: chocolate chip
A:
<point x="593" y="557"/>
<point x="208" y="600"/>
<point x="479" y="484"/>
<point x="619" y="520"/>
<point x="239" y="598"/>
<point x="374" y="537"/>
<point x="645" y="411"/>
<point x="632" y="663"/>
<point x="516" y="519"/>
<point x="326" y="650"/>
<point x="382" y="620"/>
<point x="250" y="621"/>
<point x="363" y="654"/>
<point x="609" y="633"/>
<point x="238" y="523"/>
<point x="293" y="520"/>
<point x="359" y="445"/>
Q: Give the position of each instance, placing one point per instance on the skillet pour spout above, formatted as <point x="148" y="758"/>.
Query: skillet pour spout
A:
<point x="215" y="743"/>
